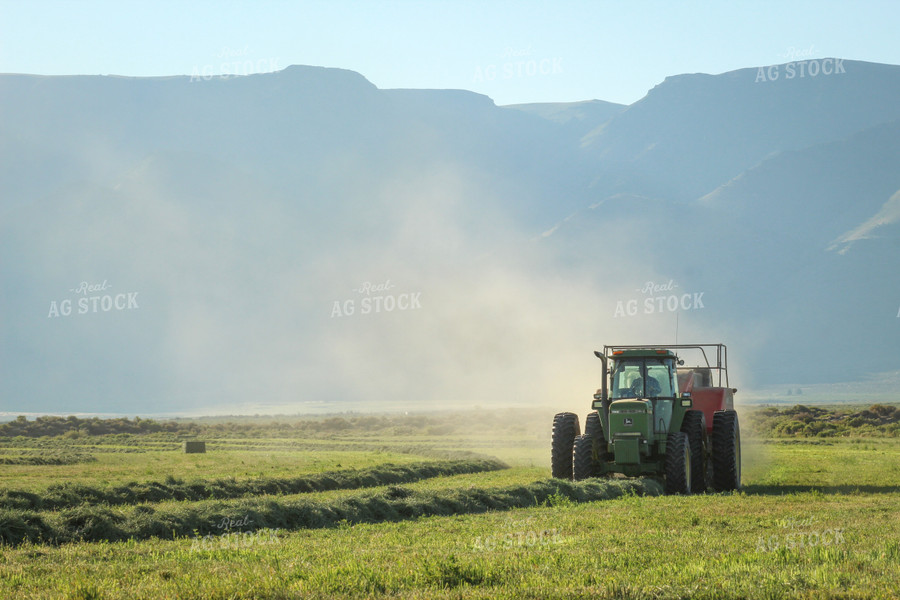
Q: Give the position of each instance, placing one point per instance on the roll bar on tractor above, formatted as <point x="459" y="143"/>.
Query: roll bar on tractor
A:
<point x="721" y="359"/>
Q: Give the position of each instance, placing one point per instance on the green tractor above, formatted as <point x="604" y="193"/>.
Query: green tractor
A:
<point x="652" y="416"/>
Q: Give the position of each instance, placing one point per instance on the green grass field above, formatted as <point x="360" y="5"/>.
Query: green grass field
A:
<point x="816" y="519"/>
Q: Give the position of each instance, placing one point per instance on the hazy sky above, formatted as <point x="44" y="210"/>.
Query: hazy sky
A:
<point x="511" y="51"/>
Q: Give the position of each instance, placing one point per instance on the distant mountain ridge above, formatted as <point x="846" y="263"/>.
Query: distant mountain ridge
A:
<point x="239" y="211"/>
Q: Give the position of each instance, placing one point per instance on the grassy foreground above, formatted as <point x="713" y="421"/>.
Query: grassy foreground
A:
<point x="817" y="519"/>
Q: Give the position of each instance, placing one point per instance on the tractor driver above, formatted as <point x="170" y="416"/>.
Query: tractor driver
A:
<point x="653" y="388"/>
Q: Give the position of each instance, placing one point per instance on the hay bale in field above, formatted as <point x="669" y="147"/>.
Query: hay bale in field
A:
<point x="194" y="447"/>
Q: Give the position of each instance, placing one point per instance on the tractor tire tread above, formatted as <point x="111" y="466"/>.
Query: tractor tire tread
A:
<point x="694" y="426"/>
<point x="676" y="464"/>
<point x="726" y="439"/>
<point x="592" y="424"/>
<point x="583" y="458"/>
<point x="565" y="430"/>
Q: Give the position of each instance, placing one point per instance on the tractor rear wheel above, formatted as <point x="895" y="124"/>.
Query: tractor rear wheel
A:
<point x="583" y="458"/>
<point x="565" y="429"/>
<point x="678" y="464"/>
<point x="694" y="425"/>
<point x="592" y="424"/>
<point x="726" y="451"/>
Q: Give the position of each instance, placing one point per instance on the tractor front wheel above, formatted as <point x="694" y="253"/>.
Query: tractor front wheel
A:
<point x="726" y="451"/>
<point x="565" y="429"/>
<point x="678" y="464"/>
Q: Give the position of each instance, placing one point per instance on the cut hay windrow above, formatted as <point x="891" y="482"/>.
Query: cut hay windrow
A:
<point x="70" y="495"/>
<point x="395" y="503"/>
<point x="46" y="459"/>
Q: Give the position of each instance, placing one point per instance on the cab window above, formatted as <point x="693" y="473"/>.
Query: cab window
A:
<point x="659" y="379"/>
<point x="643" y="378"/>
<point x="628" y="379"/>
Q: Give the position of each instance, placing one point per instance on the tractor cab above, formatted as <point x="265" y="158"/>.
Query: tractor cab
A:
<point x="642" y="392"/>
<point x="643" y="374"/>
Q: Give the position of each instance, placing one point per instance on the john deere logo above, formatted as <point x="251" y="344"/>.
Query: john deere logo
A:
<point x="629" y="421"/>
